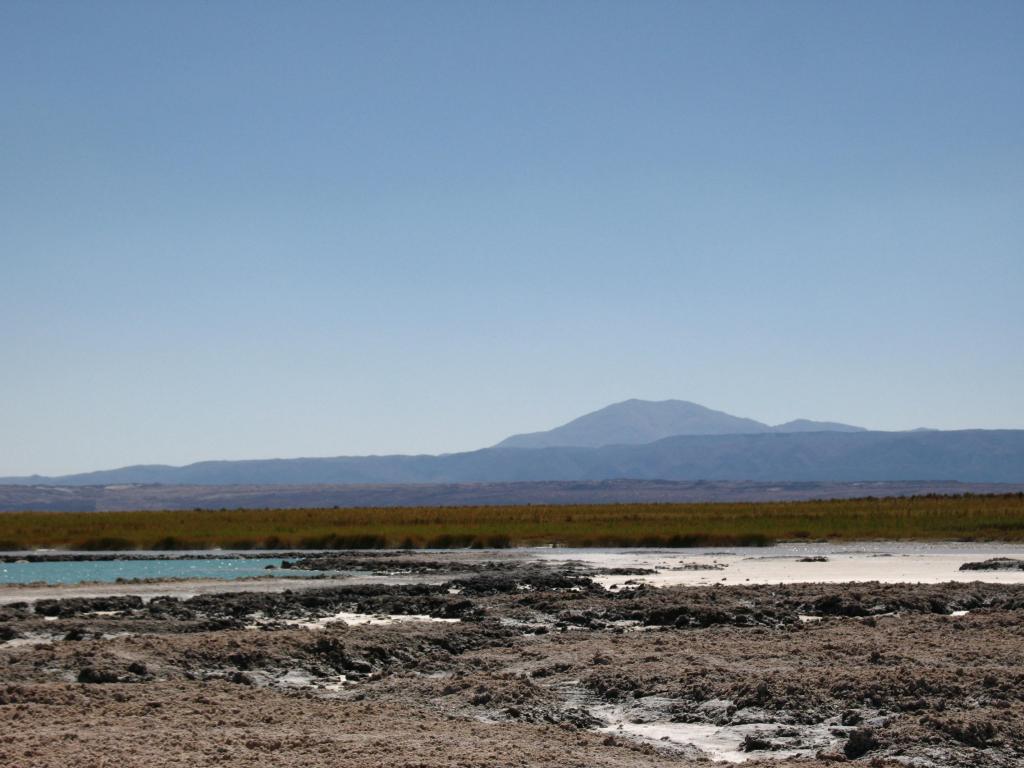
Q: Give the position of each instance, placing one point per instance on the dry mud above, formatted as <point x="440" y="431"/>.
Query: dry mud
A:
<point x="518" y="664"/>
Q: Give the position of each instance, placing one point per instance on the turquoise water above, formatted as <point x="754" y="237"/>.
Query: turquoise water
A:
<point x="112" y="570"/>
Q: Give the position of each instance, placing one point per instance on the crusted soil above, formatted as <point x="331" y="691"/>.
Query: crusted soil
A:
<point x="533" y="666"/>
<point x="995" y="564"/>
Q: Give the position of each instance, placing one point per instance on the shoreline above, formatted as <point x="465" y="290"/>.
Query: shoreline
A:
<point x="614" y="568"/>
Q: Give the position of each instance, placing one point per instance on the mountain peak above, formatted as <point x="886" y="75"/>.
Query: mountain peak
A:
<point x="633" y="422"/>
<point x="806" y="425"/>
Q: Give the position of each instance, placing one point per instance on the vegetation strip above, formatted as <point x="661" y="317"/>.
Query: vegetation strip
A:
<point x="966" y="517"/>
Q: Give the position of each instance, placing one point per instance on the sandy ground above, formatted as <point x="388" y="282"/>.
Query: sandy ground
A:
<point x="511" y="662"/>
<point x="889" y="563"/>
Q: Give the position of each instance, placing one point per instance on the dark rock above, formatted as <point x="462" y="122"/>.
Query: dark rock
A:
<point x="91" y="675"/>
<point x="995" y="564"/>
<point x="482" y="696"/>
<point x="860" y="742"/>
<point x="974" y="733"/>
<point x="73" y="606"/>
<point x="754" y="742"/>
<point x="851" y="717"/>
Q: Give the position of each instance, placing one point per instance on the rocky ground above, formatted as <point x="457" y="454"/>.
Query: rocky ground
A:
<point x="518" y="664"/>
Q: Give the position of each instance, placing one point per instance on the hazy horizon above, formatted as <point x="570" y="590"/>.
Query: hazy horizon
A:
<point x="243" y="230"/>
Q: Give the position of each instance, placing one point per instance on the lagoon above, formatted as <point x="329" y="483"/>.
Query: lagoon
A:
<point x="110" y="571"/>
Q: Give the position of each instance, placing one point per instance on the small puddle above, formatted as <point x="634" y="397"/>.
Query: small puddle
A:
<point x="355" y="619"/>
<point x="300" y="678"/>
<point x="717" y="743"/>
<point x="726" y="743"/>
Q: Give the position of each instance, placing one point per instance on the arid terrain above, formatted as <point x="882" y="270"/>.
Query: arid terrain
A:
<point x="513" y="661"/>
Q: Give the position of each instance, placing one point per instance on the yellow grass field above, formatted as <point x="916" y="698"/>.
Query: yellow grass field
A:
<point x="968" y="517"/>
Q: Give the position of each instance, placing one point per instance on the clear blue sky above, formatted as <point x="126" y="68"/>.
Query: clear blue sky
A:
<point x="254" y="229"/>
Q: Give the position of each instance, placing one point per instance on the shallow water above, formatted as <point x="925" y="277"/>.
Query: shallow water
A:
<point x="723" y="743"/>
<point x="107" y="571"/>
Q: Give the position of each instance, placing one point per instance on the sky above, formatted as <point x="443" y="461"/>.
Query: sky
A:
<point x="274" y="229"/>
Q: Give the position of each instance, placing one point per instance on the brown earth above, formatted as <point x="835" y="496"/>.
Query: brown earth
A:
<point x="538" y="661"/>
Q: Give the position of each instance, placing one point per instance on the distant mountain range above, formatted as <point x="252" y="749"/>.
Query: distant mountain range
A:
<point x="671" y="440"/>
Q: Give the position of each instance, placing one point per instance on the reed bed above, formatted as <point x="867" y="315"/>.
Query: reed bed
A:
<point x="966" y="517"/>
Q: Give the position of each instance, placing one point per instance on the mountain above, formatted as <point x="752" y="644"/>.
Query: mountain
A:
<point x="635" y="422"/>
<point x="670" y="440"/>
<point x="983" y="456"/>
